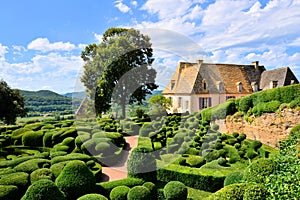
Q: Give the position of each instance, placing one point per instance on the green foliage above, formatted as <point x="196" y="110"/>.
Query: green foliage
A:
<point x="69" y="157"/>
<point x="138" y="193"/>
<point x="11" y="104"/>
<point x="43" y="189"/>
<point x="33" y="138"/>
<point x="76" y="180"/>
<point x="142" y="164"/>
<point x="159" y="104"/>
<point x="265" y="107"/>
<point x="19" y="179"/>
<point x="230" y="192"/>
<point x="235" y="177"/>
<point x="92" y="197"/>
<point x="43" y="173"/>
<point x="146" y="129"/>
<point x="245" y="104"/>
<point x="259" y="170"/>
<point x="195" y="161"/>
<point x="106" y="187"/>
<point x="31" y="165"/>
<point x="174" y="190"/>
<point x="119" y="193"/>
<point x="255" y="192"/>
<point x="222" y="162"/>
<point x="8" y="192"/>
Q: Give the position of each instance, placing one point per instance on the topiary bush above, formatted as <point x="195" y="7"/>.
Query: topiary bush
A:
<point x="142" y="164"/>
<point x="31" y="165"/>
<point x="76" y="180"/>
<point x="43" y="189"/>
<point x="33" y="138"/>
<point x="235" y="177"/>
<point x="255" y="192"/>
<point x="119" y="193"/>
<point x="245" y="104"/>
<point x="8" y="192"/>
<point x="175" y="190"/>
<point x="230" y="192"/>
<point x="92" y="197"/>
<point x="259" y="170"/>
<point x="139" y="193"/>
<point x="43" y="173"/>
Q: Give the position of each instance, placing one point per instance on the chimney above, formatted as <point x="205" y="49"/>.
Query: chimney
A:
<point x="199" y="62"/>
<point x="256" y="64"/>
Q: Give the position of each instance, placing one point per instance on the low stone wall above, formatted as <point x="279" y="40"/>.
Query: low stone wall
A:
<point x="269" y="128"/>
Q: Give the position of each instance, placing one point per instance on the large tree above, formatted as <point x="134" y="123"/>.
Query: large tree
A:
<point x="11" y="104"/>
<point x="121" y="65"/>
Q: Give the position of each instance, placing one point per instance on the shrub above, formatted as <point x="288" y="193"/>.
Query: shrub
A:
<point x="230" y="192"/>
<point x="151" y="186"/>
<point x="213" y="155"/>
<point x="43" y="173"/>
<point x="174" y="190"/>
<point x="35" y="126"/>
<point x="195" y="161"/>
<point x="43" y="189"/>
<point x="256" y="145"/>
<point x="222" y="162"/>
<point x="142" y="164"/>
<point x="235" y="134"/>
<point x="259" y="170"/>
<point x="245" y="104"/>
<point x="33" y="139"/>
<point x="76" y="180"/>
<point x="105" y="148"/>
<point x="17" y="134"/>
<point x="266" y="107"/>
<point x="255" y="192"/>
<point x="92" y="197"/>
<point x="146" y="129"/>
<point x="119" y="193"/>
<point x="138" y="193"/>
<point x="106" y="187"/>
<point x="8" y="192"/>
<point x="69" y="157"/>
<point x="235" y="177"/>
<point x="47" y="139"/>
<point x="31" y="165"/>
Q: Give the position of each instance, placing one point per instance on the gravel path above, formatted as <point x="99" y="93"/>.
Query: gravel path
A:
<point x="120" y="171"/>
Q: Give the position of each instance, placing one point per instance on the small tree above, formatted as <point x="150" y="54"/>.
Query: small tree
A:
<point x="159" y="104"/>
<point x="11" y="104"/>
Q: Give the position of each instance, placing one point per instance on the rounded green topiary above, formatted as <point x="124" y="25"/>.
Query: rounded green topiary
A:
<point x="104" y="148"/>
<point x="175" y="190"/>
<point x="76" y="180"/>
<point x="235" y="177"/>
<point x="43" y="173"/>
<point x="8" y="192"/>
<point x="119" y="193"/>
<point x="139" y="193"/>
<point x="33" y="138"/>
<point x="259" y="170"/>
<point x="92" y="197"/>
<point x="43" y="189"/>
<point x="149" y="185"/>
<point x="255" y="192"/>
<point x="230" y="192"/>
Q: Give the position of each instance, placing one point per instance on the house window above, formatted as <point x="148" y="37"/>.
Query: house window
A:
<point x="172" y="84"/>
<point x="220" y="86"/>
<point x="179" y="101"/>
<point x="239" y="87"/>
<point x="204" y="84"/>
<point x="254" y="86"/>
<point x="186" y="105"/>
<point x="273" y="84"/>
<point x="204" y="102"/>
<point x="292" y="82"/>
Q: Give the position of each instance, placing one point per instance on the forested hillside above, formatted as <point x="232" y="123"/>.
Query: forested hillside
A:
<point x="45" y="101"/>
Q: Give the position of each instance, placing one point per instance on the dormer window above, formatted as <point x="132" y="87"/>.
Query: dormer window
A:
<point x="220" y="86"/>
<point x="254" y="86"/>
<point x="204" y="84"/>
<point x="239" y="87"/>
<point x="273" y="84"/>
<point x="172" y="84"/>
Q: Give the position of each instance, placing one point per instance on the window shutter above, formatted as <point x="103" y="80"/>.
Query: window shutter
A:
<point x="209" y="102"/>
<point x="200" y="103"/>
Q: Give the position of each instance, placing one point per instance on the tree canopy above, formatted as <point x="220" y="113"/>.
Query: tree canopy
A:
<point x="159" y="104"/>
<point x="11" y="104"/>
<point x="117" y="70"/>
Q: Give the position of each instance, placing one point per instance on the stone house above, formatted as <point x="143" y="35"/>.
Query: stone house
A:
<point x="195" y="86"/>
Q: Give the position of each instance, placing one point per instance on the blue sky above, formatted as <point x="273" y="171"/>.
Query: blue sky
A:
<point x="41" y="41"/>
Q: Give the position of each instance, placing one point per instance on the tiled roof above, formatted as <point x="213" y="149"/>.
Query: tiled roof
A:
<point x="189" y="78"/>
<point x="283" y="76"/>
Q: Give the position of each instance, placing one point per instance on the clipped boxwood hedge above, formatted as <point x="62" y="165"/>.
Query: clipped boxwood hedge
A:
<point x="92" y="197"/>
<point x="43" y="173"/>
<point x="8" y="192"/>
<point x="119" y="193"/>
<point x="174" y="190"/>
<point x="106" y="187"/>
<point x="43" y="189"/>
<point x="71" y="156"/>
<point x="138" y="193"/>
<point x="31" y="165"/>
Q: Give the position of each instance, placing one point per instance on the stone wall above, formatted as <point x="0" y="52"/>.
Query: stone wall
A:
<point x="269" y="128"/>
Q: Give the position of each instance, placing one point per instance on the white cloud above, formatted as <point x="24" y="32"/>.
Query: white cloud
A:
<point x="121" y="6"/>
<point x="44" y="45"/>
<point x="134" y="3"/>
<point x="98" y="37"/>
<point x="3" y="51"/>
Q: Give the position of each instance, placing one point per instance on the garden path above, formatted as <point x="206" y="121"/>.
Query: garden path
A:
<point x="119" y="171"/>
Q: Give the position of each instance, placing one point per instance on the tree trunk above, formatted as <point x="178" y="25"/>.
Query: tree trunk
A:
<point x="123" y="106"/>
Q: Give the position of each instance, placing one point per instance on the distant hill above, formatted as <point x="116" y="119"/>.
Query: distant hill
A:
<point x="46" y="101"/>
<point x="78" y="95"/>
